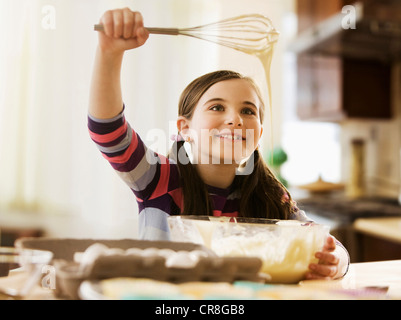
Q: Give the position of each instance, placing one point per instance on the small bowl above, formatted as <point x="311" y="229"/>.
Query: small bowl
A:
<point x="31" y="261"/>
<point x="17" y="257"/>
<point x="286" y="247"/>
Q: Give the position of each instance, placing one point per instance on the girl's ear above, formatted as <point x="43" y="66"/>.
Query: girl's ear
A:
<point x="182" y="124"/>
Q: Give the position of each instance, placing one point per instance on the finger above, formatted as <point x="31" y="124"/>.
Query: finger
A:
<point x="327" y="258"/>
<point x="129" y="19"/>
<point x="324" y="270"/>
<point x="142" y="34"/>
<point x="314" y="276"/>
<point x="118" y="20"/>
<point x="138" y="25"/>
<point x="107" y="22"/>
<point x="330" y="244"/>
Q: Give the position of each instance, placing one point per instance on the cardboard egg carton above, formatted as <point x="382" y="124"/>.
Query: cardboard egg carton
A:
<point x="70" y="274"/>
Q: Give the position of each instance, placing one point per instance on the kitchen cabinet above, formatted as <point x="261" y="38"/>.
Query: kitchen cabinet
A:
<point x="334" y="87"/>
<point x="312" y="12"/>
<point x="374" y="248"/>
<point x="320" y="85"/>
<point x="379" y="238"/>
<point x="367" y="89"/>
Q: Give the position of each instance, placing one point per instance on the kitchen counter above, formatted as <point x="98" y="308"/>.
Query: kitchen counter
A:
<point x="383" y="275"/>
<point x="377" y="274"/>
<point x="387" y="228"/>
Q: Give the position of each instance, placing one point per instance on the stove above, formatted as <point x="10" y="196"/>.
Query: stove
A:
<point x="348" y="210"/>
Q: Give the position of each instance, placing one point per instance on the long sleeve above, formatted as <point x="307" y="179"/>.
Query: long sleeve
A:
<point x="122" y="147"/>
<point x="152" y="177"/>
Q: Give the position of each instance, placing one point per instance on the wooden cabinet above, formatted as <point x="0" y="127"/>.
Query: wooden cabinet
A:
<point x="378" y="238"/>
<point x="334" y="88"/>
<point x="367" y="89"/>
<point x="376" y="249"/>
<point x="312" y="12"/>
<point x="320" y="84"/>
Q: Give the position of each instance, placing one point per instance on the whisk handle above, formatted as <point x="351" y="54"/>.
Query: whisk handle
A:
<point x="170" y="31"/>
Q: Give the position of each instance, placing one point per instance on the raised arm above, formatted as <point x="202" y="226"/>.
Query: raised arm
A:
<point x="123" y="30"/>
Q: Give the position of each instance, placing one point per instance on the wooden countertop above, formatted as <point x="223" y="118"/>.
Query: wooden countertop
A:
<point x="388" y="228"/>
<point x="381" y="274"/>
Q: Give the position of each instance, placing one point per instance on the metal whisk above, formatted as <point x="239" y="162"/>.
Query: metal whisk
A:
<point x="252" y="33"/>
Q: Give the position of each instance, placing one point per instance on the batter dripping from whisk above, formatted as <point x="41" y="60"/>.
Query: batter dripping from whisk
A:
<point x="252" y="34"/>
<point x="220" y="117"/>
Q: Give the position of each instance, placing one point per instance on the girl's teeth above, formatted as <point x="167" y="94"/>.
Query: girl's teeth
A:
<point x="231" y="137"/>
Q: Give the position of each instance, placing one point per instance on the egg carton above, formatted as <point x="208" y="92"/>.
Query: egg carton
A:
<point x="134" y="258"/>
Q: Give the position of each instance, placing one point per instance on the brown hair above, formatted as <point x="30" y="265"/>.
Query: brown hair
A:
<point x="261" y="192"/>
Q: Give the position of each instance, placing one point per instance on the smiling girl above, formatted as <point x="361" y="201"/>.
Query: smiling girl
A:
<point x="220" y="116"/>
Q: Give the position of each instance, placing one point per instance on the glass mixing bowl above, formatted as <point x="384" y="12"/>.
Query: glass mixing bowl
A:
<point x="286" y="247"/>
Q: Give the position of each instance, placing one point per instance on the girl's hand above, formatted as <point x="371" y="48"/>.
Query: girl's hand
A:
<point x="328" y="266"/>
<point x="123" y="30"/>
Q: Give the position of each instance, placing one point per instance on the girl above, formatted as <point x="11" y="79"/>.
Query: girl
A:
<point x="220" y="117"/>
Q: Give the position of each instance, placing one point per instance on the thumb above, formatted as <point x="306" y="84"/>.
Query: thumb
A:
<point x="142" y="35"/>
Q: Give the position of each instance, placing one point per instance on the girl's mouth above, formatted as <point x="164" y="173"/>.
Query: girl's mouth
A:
<point x="233" y="137"/>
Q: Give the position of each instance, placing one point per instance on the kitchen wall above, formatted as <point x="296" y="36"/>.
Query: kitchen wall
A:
<point x="382" y="147"/>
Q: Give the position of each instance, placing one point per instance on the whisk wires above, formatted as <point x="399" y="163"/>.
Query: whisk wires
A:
<point x="248" y="33"/>
<point x="251" y="33"/>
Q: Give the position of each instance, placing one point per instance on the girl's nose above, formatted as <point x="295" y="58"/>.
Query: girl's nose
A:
<point x="234" y="119"/>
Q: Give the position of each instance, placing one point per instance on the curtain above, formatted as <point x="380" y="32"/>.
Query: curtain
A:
<point x="48" y="164"/>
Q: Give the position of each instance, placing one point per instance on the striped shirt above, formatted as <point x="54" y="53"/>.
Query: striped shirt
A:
<point x="153" y="178"/>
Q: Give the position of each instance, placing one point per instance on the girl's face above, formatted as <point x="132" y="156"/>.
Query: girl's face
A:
<point x="226" y="125"/>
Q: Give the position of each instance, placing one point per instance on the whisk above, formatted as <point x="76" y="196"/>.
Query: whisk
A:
<point x="251" y="33"/>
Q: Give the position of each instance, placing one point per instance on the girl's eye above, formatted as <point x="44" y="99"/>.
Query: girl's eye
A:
<point x="248" y="111"/>
<point x="217" y="107"/>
